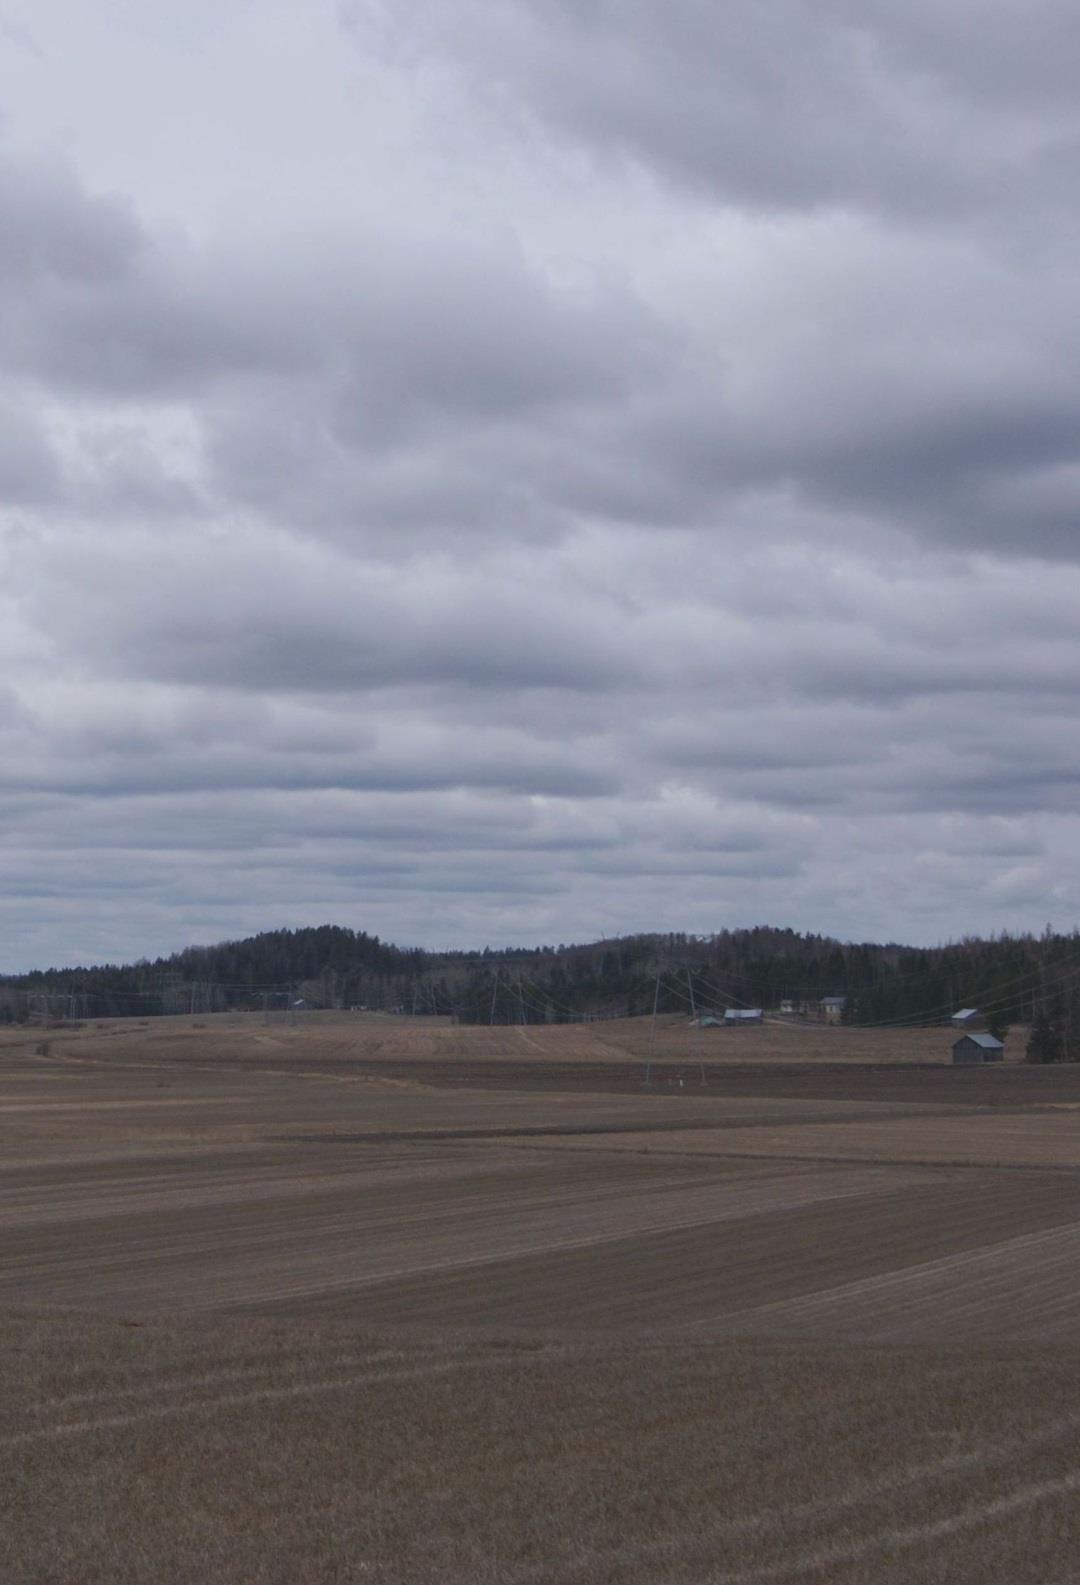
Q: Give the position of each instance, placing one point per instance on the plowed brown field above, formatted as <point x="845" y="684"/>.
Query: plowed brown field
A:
<point x="382" y="1301"/>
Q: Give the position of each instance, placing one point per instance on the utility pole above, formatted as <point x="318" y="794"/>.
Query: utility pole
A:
<point x="494" y="991"/>
<point x="652" y="1031"/>
<point x="693" y="1014"/>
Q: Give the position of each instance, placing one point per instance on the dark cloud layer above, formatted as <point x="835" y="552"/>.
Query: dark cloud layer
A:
<point x="582" y="468"/>
<point x="915" y="110"/>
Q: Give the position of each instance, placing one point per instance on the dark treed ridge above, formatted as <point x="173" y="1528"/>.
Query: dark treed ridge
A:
<point x="1009" y="977"/>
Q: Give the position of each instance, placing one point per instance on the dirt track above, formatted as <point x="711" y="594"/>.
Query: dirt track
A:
<point x="305" y="1289"/>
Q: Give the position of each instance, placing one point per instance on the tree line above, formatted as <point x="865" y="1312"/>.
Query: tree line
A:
<point x="1034" y="980"/>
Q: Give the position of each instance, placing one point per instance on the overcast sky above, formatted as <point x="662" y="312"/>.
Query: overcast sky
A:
<point x="491" y="471"/>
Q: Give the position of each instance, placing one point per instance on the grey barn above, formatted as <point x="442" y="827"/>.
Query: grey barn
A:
<point x="978" y="1048"/>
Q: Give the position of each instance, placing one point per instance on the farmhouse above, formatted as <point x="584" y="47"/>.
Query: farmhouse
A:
<point x="833" y="1008"/>
<point x="978" y="1048"/>
<point x="968" y="1018"/>
<point x="743" y="1015"/>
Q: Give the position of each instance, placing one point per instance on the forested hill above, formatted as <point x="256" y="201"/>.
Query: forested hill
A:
<point x="333" y="967"/>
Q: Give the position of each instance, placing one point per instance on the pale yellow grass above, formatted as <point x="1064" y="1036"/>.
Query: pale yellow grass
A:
<point x="631" y="1039"/>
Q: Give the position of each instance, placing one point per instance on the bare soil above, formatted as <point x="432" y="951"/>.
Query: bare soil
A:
<point x="405" y="1302"/>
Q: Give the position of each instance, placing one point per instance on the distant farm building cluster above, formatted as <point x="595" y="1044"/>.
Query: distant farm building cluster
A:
<point x="829" y="1010"/>
<point x="975" y="1043"/>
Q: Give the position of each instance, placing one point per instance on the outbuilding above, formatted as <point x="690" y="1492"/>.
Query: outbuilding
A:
<point x="968" y="1018"/>
<point x="978" y="1048"/>
<point x="743" y="1015"/>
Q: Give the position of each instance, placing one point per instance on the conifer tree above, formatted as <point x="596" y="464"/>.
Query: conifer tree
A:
<point x="1044" y="1042"/>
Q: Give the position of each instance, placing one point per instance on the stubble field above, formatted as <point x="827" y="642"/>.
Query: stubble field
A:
<point x="408" y="1302"/>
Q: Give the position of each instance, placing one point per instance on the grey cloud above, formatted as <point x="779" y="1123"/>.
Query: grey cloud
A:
<point x="55" y="233"/>
<point x="476" y="337"/>
<point x="29" y="469"/>
<point x="324" y="624"/>
<point x="919" y="382"/>
<point x="757" y="867"/>
<point x="790" y="105"/>
<point x="788" y="738"/>
<point x="997" y="51"/>
<point x="17" y="33"/>
<point x="388" y="380"/>
<point x="103" y="754"/>
<point x="447" y="397"/>
<point x="367" y="396"/>
<point x="405" y="327"/>
<point x="543" y="535"/>
<point x="299" y="467"/>
<point x="94" y="302"/>
<point x="902" y="349"/>
<point x="117" y="473"/>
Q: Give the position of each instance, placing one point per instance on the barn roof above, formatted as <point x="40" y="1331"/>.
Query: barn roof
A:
<point x="987" y="1042"/>
<point x="966" y="1012"/>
